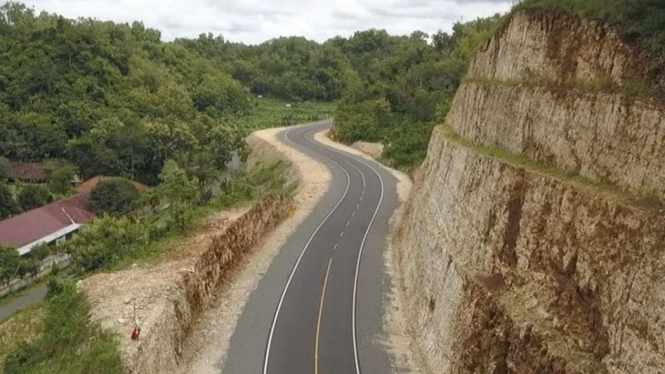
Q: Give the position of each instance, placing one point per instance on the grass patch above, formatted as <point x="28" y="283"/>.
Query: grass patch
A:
<point x="275" y="113"/>
<point x="69" y="343"/>
<point x="23" y="326"/>
<point x="648" y="200"/>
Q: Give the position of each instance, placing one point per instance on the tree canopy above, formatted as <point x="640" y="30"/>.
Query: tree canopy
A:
<point x="113" y="99"/>
<point x="113" y="196"/>
<point x="33" y="196"/>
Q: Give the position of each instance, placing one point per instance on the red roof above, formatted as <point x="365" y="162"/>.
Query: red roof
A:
<point x="38" y="223"/>
<point x="28" y="171"/>
<point x="91" y="183"/>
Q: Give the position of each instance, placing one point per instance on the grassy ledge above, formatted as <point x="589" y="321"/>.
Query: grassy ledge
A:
<point x="645" y="200"/>
<point x="633" y="90"/>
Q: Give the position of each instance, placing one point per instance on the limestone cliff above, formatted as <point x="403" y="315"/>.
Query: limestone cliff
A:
<point x="524" y="248"/>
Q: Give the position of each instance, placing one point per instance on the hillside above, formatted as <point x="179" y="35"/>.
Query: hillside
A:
<point x="533" y="242"/>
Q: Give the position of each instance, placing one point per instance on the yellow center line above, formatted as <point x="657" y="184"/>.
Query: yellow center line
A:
<point x="318" y="324"/>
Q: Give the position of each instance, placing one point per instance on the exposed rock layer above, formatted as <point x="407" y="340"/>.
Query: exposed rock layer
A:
<point x="509" y="270"/>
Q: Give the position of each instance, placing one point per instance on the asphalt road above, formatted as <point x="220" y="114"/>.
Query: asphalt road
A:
<point x="319" y="308"/>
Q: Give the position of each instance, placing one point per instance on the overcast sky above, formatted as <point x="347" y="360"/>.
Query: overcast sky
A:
<point x="254" y="21"/>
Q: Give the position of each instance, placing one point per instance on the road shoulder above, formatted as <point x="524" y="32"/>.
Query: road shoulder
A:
<point x="207" y="347"/>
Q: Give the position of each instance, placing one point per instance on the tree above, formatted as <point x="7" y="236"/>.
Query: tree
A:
<point x="105" y="240"/>
<point x="41" y="251"/>
<point x="8" y="206"/>
<point x="10" y="261"/>
<point x="28" y="266"/>
<point x="114" y="196"/>
<point x="5" y="170"/>
<point x="61" y="180"/>
<point x="33" y="196"/>
<point x="180" y="191"/>
<point x="176" y="185"/>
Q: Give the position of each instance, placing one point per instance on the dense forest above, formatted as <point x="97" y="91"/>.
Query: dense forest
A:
<point x="113" y="99"/>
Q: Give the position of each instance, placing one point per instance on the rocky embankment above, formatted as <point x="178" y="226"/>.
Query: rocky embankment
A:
<point x="534" y="241"/>
<point x="168" y="298"/>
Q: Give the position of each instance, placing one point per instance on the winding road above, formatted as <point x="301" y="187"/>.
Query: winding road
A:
<point x="320" y="306"/>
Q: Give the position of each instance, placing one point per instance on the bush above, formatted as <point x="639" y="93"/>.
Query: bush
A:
<point x="61" y="180"/>
<point x="5" y="170"/>
<point x="10" y="261"/>
<point x="33" y="196"/>
<point x="41" y="251"/>
<point x="71" y="343"/>
<point x="105" y="241"/>
<point x="8" y="206"/>
<point x="114" y="196"/>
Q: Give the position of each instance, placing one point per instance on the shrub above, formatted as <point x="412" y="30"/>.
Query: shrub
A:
<point x="61" y="180"/>
<point x="33" y="196"/>
<point x="5" y="171"/>
<point x="10" y="261"/>
<point x="8" y="206"/>
<point x="71" y="343"/>
<point x="114" y="196"/>
<point x="105" y="241"/>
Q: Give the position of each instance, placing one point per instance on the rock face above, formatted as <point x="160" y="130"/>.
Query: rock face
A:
<point x="508" y="269"/>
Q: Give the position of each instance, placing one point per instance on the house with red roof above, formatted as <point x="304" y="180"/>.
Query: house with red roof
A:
<point x="50" y="223"/>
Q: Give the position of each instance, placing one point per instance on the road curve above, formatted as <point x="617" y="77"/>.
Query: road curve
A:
<point x="319" y="307"/>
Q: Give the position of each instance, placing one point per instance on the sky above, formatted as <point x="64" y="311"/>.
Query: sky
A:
<point x="255" y="21"/>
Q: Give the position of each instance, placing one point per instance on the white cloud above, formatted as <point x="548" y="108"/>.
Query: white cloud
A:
<point x="254" y="21"/>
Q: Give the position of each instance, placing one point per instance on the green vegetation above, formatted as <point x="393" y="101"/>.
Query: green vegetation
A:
<point x="164" y="214"/>
<point x="33" y="196"/>
<point x="8" y="205"/>
<point x="69" y="343"/>
<point x="5" y="171"/>
<point x="21" y="327"/>
<point x="638" y="18"/>
<point x="61" y="180"/>
<point x="270" y="112"/>
<point x="112" y="99"/>
<point x="113" y="196"/>
<point x="9" y="263"/>
<point x="643" y="199"/>
<point x="633" y="89"/>
<point x="404" y="86"/>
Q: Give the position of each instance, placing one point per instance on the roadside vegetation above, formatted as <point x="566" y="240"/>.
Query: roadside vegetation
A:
<point x="107" y="99"/>
<point x="68" y="342"/>
<point x="404" y="87"/>
<point x="115" y="242"/>
<point x="22" y="327"/>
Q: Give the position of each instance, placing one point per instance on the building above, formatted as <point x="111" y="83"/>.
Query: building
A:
<point x="29" y="172"/>
<point x="36" y="172"/>
<point x="52" y="223"/>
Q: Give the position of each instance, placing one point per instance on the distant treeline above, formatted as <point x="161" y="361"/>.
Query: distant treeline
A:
<point x="113" y="99"/>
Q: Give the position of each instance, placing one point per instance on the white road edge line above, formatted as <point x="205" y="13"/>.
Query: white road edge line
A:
<point x="302" y="253"/>
<point x="362" y="247"/>
<point x="360" y="255"/>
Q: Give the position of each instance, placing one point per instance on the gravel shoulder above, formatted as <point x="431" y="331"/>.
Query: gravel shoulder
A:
<point x="206" y="349"/>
